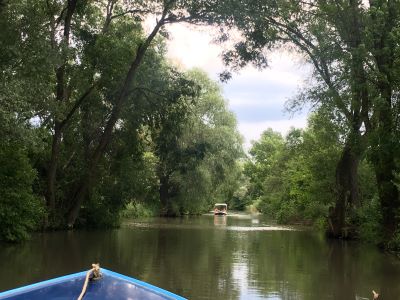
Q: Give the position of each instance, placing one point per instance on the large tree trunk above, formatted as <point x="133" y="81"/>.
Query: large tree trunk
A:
<point x="347" y="189"/>
<point x="52" y="171"/>
<point x="55" y="146"/>
<point x="347" y="193"/>
<point x="164" y="195"/>
<point x="61" y="95"/>
<point x="86" y="182"/>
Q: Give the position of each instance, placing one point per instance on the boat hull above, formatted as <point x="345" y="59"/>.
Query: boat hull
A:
<point x="111" y="286"/>
<point x="220" y="213"/>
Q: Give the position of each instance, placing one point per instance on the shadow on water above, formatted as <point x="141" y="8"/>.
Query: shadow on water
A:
<point x="207" y="257"/>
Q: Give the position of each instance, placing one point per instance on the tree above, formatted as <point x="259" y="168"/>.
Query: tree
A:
<point x="297" y="181"/>
<point x="348" y="43"/>
<point x="21" y="209"/>
<point x="383" y="28"/>
<point x="264" y="156"/>
<point x="88" y="89"/>
<point x="168" y="12"/>
<point x="197" y="145"/>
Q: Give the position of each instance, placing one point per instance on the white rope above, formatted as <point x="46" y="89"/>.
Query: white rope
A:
<point x="95" y="270"/>
<point x="375" y="295"/>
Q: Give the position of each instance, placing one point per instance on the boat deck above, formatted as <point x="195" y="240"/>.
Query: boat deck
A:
<point x="111" y="286"/>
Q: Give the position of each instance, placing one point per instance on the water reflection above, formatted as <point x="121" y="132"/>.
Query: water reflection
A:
<point x="232" y="257"/>
<point x="220" y="220"/>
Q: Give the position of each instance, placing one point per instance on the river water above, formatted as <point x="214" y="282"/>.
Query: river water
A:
<point x="207" y="257"/>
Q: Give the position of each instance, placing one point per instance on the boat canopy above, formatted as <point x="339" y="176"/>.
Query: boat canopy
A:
<point x="220" y="204"/>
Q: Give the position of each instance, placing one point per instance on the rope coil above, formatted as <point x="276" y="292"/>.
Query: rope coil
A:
<point x="94" y="274"/>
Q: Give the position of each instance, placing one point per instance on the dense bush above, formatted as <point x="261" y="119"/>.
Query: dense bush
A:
<point x="139" y="210"/>
<point x="367" y="220"/>
<point x="292" y="179"/>
<point x="20" y="210"/>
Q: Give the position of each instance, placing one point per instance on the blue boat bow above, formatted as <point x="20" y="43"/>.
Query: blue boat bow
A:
<point x="111" y="286"/>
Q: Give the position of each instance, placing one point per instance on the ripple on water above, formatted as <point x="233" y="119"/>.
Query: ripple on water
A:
<point x="219" y="227"/>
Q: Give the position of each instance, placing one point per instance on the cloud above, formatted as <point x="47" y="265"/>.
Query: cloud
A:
<point x="285" y="69"/>
<point x="192" y="46"/>
<point x="258" y="93"/>
<point x="256" y="97"/>
<point x="261" y="95"/>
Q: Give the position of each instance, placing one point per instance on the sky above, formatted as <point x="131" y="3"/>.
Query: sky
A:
<point x="256" y="97"/>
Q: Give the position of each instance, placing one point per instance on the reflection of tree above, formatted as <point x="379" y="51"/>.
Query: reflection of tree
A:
<point x="53" y="254"/>
<point x="298" y="265"/>
<point x="198" y="260"/>
<point x="341" y="271"/>
<point x="196" y="263"/>
<point x="356" y="269"/>
<point x="202" y="259"/>
<point x="282" y="262"/>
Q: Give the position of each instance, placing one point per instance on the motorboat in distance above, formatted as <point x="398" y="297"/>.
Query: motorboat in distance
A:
<point x="220" y="209"/>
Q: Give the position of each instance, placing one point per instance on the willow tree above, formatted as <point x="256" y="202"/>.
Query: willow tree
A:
<point x="57" y="38"/>
<point x="197" y="145"/>
<point x="164" y="12"/>
<point x="213" y="129"/>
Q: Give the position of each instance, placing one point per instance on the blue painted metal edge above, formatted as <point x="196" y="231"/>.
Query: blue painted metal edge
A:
<point x="40" y="284"/>
<point x="53" y="281"/>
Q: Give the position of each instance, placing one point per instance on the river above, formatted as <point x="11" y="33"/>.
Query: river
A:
<point x="234" y="257"/>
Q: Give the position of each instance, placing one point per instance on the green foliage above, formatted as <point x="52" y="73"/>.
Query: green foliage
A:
<point x="368" y="219"/>
<point x="298" y="184"/>
<point x="20" y="210"/>
<point x="265" y="155"/>
<point x="240" y="199"/>
<point x="289" y="190"/>
<point x="139" y="210"/>
<point x="60" y="84"/>
<point x="353" y="49"/>
<point x="100" y="212"/>
<point x="293" y="177"/>
<point x="394" y="243"/>
<point x="174" y="143"/>
<point x="197" y="145"/>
